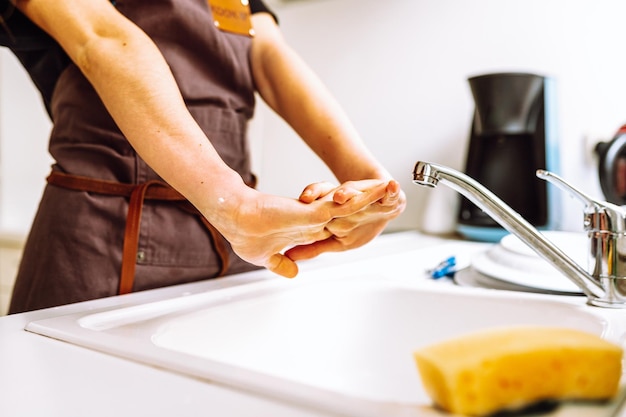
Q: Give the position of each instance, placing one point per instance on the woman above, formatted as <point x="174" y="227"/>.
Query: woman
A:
<point x="152" y="185"/>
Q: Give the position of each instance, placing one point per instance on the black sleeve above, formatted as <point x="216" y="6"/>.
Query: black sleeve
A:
<point x="41" y="56"/>
<point x="257" y="6"/>
<point x="18" y="32"/>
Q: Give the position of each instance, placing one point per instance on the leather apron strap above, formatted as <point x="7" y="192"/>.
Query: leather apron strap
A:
<point x="151" y="190"/>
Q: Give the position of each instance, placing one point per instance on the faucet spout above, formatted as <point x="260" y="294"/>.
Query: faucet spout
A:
<point x="430" y="174"/>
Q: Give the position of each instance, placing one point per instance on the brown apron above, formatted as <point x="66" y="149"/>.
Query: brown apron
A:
<point x="81" y="245"/>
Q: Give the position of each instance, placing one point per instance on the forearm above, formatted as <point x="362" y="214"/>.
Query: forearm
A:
<point x="291" y="89"/>
<point x="135" y="84"/>
<point x="153" y="117"/>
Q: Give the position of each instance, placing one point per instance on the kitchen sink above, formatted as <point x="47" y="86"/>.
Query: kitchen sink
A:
<point x="339" y="340"/>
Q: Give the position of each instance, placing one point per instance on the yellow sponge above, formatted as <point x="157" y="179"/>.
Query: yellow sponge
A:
<point x="505" y="369"/>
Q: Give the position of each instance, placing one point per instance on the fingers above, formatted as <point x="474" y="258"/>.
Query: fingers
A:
<point x="359" y="200"/>
<point x="345" y="193"/>
<point x="282" y="265"/>
<point x="303" y="252"/>
<point x="286" y="266"/>
<point x="350" y="189"/>
<point x="315" y="191"/>
<point x="393" y="194"/>
<point x="394" y="202"/>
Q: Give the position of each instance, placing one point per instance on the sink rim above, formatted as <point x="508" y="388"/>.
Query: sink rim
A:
<point x="84" y="330"/>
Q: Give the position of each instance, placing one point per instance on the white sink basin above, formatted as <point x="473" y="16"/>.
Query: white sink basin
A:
<point x="330" y="340"/>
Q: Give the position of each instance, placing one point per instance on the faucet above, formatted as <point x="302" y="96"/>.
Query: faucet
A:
<point x="604" y="283"/>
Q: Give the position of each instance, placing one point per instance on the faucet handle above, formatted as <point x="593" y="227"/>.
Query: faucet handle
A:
<point x="593" y="207"/>
<point x="565" y="186"/>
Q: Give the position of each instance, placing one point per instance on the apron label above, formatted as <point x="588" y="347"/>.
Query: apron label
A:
<point x="232" y="16"/>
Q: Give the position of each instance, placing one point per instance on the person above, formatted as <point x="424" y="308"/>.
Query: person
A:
<point x="151" y="184"/>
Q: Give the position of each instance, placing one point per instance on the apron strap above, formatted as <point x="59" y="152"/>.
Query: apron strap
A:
<point x="151" y="190"/>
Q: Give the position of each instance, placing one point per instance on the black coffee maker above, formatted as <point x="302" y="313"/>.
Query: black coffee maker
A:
<point x="513" y="135"/>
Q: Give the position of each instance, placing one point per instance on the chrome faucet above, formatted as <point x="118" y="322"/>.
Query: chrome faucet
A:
<point x="604" y="283"/>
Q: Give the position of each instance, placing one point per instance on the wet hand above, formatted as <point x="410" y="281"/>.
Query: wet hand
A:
<point x="352" y="231"/>
<point x="264" y="226"/>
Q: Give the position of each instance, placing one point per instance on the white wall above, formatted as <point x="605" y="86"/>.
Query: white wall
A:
<point x="400" y="67"/>
<point x="24" y="161"/>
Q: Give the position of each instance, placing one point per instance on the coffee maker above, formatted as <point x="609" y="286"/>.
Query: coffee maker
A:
<point x="512" y="135"/>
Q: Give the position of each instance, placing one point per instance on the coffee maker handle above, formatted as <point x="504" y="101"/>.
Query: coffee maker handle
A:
<point x="611" y="165"/>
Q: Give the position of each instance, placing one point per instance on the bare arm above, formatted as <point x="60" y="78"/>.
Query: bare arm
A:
<point x="291" y="89"/>
<point x="112" y="51"/>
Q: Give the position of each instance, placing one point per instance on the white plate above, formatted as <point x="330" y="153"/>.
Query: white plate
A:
<point x="513" y="261"/>
<point x="573" y="244"/>
<point x="469" y="277"/>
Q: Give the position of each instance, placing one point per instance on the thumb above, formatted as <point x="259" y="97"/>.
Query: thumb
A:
<point x="282" y="265"/>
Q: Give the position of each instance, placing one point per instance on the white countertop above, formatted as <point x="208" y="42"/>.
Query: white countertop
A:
<point x="40" y="376"/>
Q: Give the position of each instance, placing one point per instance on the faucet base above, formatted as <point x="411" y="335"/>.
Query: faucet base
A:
<point x="615" y="296"/>
<point x="607" y="304"/>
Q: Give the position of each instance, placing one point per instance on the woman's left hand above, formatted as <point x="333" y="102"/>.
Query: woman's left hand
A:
<point x="355" y="230"/>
